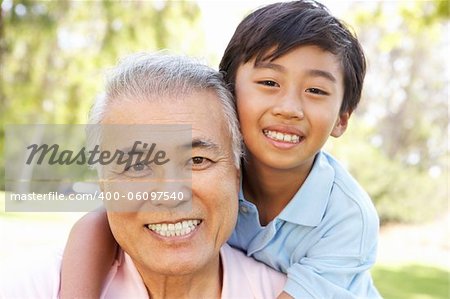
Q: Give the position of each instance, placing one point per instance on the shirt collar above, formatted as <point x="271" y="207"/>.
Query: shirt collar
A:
<point x="241" y="190"/>
<point x="308" y="205"/>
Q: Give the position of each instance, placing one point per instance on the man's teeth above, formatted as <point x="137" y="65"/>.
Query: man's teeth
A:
<point x="292" y="138"/>
<point x="174" y="229"/>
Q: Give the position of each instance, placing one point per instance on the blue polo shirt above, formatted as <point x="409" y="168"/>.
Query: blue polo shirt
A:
<point x="325" y="239"/>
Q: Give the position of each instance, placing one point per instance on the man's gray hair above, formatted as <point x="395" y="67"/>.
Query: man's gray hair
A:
<point x="163" y="75"/>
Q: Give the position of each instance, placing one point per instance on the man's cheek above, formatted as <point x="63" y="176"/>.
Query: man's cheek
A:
<point x="116" y="225"/>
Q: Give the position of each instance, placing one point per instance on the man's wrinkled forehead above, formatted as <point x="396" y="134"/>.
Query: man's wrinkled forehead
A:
<point x="199" y="109"/>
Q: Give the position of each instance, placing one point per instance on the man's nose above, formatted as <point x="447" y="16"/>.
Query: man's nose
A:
<point x="170" y="187"/>
<point x="289" y="106"/>
<point x="171" y="194"/>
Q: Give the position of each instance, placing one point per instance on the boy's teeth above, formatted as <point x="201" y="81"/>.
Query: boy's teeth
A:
<point x="174" y="229"/>
<point x="291" y="138"/>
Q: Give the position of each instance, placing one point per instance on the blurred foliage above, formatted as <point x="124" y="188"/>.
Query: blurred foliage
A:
<point x="52" y="55"/>
<point x="397" y="143"/>
<point x="401" y="192"/>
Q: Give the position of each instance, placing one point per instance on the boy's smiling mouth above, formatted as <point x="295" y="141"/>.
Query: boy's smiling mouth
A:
<point x="283" y="137"/>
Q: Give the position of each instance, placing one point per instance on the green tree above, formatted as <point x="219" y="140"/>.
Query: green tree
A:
<point x="398" y="135"/>
<point x="53" y="53"/>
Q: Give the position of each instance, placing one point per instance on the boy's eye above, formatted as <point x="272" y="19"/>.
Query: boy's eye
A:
<point x="270" y="83"/>
<point x="316" y="91"/>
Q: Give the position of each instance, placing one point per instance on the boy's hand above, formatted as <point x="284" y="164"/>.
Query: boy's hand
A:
<point x="284" y="295"/>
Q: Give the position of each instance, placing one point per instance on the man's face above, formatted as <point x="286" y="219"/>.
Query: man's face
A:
<point x="148" y="235"/>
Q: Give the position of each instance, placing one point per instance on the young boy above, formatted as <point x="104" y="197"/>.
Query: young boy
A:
<point x="297" y="75"/>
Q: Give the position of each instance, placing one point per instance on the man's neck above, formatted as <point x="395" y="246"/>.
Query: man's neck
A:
<point x="204" y="283"/>
<point x="272" y="189"/>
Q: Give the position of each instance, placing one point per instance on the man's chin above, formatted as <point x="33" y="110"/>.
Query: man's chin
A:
<point x="178" y="266"/>
<point x="181" y="260"/>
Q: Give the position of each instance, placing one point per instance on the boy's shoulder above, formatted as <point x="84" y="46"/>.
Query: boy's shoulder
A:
<point x="327" y="176"/>
<point x="344" y="184"/>
<point x="329" y="191"/>
<point x="346" y="215"/>
<point x="348" y="199"/>
<point x="342" y="177"/>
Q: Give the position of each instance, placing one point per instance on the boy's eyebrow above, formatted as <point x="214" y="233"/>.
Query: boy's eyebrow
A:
<point x="269" y="65"/>
<point x="282" y="69"/>
<point x="321" y="73"/>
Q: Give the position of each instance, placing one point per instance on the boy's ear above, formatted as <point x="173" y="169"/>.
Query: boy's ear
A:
<point x="341" y="124"/>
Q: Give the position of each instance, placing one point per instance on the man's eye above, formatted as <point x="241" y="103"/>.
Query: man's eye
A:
<point x="269" y="83"/>
<point x="316" y="91"/>
<point x="136" y="167"/>
<point x="137" y="170"/>
<point x="199" y="162"/>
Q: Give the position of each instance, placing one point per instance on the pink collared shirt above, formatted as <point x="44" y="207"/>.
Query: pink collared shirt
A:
<point x="243" y="278"/>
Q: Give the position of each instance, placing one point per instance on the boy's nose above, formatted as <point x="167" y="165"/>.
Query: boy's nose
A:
<point x="289" y="106"/>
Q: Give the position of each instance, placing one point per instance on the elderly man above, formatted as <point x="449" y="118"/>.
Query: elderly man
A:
<point x="172" y="249"/>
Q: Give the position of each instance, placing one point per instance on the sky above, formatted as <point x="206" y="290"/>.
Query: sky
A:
<point x="219" y="19"/>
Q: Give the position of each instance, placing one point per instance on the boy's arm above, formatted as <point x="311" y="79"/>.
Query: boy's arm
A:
<point x="284" y="295"/>
<point x="90" y="251"/>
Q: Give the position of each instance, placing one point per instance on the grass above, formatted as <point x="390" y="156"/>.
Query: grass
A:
<point x="412" y="281"/>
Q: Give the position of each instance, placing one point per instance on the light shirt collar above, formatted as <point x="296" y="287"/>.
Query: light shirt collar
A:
<point x="308" y="205"/>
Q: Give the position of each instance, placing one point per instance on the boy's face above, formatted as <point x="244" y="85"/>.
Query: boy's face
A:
<point x="289" y="106"/>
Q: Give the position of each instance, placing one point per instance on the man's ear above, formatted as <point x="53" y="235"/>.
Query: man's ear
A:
<point x="101" y="184"/>
<point x="341" y="124"/>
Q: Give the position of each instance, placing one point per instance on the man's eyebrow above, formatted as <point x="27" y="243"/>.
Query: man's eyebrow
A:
<point x="321" y="73"/>
<point x="203" y="143"/>
<point x="133" y="151"/>
<point x="270" y="65"/>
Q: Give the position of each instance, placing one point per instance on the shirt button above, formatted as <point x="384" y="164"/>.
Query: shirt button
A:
<point x="244" y="209"/>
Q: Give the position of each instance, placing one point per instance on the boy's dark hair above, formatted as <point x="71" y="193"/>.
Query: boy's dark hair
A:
<point x="285" y="26"/>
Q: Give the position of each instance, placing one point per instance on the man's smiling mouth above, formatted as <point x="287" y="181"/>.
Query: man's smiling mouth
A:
<point x="180" y="228"/>
<point x="284" y="137"/>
